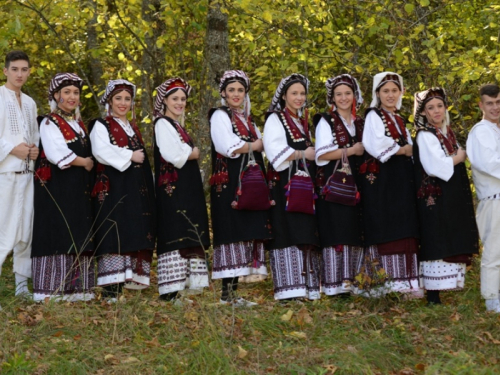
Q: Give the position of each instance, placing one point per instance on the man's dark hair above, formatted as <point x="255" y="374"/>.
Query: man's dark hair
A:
<point x="14" y="56"/>
<point x="489" y="89"/>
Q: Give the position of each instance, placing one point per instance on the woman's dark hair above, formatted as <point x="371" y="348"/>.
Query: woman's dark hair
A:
<point x="174" y="91"/>
<point x="15" y="56"/>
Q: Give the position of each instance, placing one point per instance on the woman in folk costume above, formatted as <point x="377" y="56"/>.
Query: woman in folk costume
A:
<point x="389" y="201"/>
<point x="238" y="234"/>
<point x="294" y="251"/>
<point x="62" y="249"/>
<point x="449" y="233"/>
<point x="123" y="195"/>
<point x="183" y="233"/>
<point x="340" y="226"/>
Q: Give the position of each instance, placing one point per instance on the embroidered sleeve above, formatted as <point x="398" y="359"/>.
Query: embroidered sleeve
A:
<point x="172" y="149"/>
<point x="54" y="145"/>
<point x="433" y="159"/>
<point x="325" y="141"/>
<point x="376" y="142"/>
<point x="107" y="153"/>
<point x="275" y="143"/>
<point x="223" y="137"/>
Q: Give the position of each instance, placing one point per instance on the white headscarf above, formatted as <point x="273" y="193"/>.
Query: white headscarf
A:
<point x="379" y="80"/>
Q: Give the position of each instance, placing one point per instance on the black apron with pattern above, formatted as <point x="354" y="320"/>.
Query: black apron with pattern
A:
<point x="228" y="224"/>
<point x="447" y="221"/>
<point x="389" y="201"/>
<point x="63" y="209"/>
<point x="182" y="219"/>
<point x="339" y="224"/>
<point x="125" y="216"/>
<point x="292" y="228"/>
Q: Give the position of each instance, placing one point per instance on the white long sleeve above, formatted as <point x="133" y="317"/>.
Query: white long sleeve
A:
<point x="172" y="149"/>
<point x="324" y="141"/>
<point x="433" y="159"/>
<point x="17" y="125"/>
<point x="483" y="150"/>
<point x="275" y="144"/>
<point x="55" y="146"/>
<point x="223" y="137"/>
<point x="107" y="153"/>
<point x="375" y="141"/>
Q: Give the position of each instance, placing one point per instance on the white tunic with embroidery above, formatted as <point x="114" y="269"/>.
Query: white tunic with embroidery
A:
<point x="107" y="153"/>
<point x="54" y="144"/>
<point x="376" y="142"/>
<point x="17" y="125"/>
<point x="223" y="137"/>
<point x="324" y="139"/>
<point x="172" y="148"/>
<point x="275" y="142"/>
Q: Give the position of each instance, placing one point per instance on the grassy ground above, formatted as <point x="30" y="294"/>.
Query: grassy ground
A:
<point x="143" y="335"/>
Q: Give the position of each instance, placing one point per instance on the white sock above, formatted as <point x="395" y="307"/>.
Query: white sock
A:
<point x="21" y="284"/>
<point x="492" y="305"/>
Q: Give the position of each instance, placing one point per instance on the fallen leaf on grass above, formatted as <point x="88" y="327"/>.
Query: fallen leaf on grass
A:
<point x="490" y="336"/>
<point x="39" y="317"/>
<point x="455" y="317"/>
<point x="110" y="358"/>
<point x="287" y="316"/>
<point x="481" y="339"/>
<point x="26" y="319"/>
<point x="406" y="371"/>
<point x="77" y="337"/>
<point x="153" y="342"/>
<point x="58" y="334"/>
<point x="298" y="334"/>
<point x="130" y="360"/>
<point x="304" y="317"/>
<point x="191" y="315"/>
<point x="420" y="367"/>
<point x="242" y="353"/>
<point x="330" y="369"/>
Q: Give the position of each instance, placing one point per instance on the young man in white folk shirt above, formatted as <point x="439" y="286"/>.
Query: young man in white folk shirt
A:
<point x="19" y="139"/>
<point x="483" y="149"/>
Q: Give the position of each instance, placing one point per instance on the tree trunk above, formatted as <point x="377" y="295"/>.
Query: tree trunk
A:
<point x="96" y="71"/>
<point x="151" y="63"/>
<point x="217" y="61"/>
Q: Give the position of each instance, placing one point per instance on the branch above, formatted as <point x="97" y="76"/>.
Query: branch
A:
<point x="131" y="32"/>
<point x="33" y="8"/>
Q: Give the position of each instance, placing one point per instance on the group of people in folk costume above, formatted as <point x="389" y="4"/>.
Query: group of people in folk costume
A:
<point x="93" y="194"/>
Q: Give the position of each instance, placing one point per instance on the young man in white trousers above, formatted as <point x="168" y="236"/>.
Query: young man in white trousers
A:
<point x="19" y="139"/>
<point x="483" y="149"/>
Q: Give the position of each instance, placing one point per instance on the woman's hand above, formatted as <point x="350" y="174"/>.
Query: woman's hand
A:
<point x="258" y="146"/>
<point x="195" y="154"/>
<point x="310" y="153"/>
<point x="88" y="164"/>
<point x="460" y="156"/>
<point x="138" y="156"/>
<point x="358" y="149"/>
